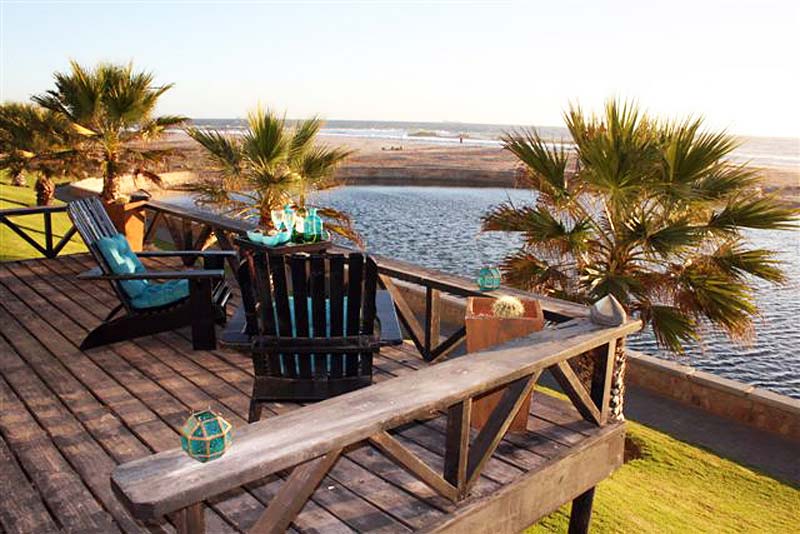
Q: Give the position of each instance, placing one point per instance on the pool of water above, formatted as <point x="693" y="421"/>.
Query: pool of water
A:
<point x="439" y="228"/>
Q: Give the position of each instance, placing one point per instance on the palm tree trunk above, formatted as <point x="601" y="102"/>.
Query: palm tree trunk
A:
<point x="18" y="179"/>
<point x="618" y="383"/>
<point x="45" y="190"/>
<point x="264" y="217"/>
<point x="110" y="181"/>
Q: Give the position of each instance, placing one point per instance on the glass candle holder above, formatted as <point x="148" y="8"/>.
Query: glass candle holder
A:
<point x="206" y="435"/>
<point x="489" y="278"/>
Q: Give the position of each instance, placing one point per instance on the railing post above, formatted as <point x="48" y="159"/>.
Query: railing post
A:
<point x="581" y="514"/>
<point x="48" y="234"/>
<point x="191" y="520"/>
<point x="457" y="445"/>
<point x="432" y="320"/>
<point x="187" y="241"/>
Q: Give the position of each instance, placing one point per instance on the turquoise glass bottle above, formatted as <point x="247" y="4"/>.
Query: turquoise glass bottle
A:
<point x="312" y="226"/>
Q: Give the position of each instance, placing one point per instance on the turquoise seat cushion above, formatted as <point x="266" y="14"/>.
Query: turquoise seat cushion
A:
<point x="156" y="295"/>
<point x="293" y="360"/>
<point x="310" y="313"/>
<point x="122" y="260"/>
<point x="143" y="294"/>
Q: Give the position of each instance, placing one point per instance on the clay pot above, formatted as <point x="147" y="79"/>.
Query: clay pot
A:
<point x="129" y="220"/>
<point x="484" y="330"/>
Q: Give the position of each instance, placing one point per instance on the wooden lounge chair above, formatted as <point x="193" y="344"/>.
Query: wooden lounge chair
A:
<point x="194" y="297"/>
<point x="315" y="322"/>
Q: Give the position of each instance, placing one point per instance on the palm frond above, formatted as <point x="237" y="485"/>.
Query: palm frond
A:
<point x="723" y="300"/>
<point x="733" y="259"/>
<point x="266" y="141"/>
<point x="320" y="163"/>
<point x="224" y="151"/>
<point x="766" y="213"/>
<point x="303" y="139"/>
<point x="545" y="164"/>
<point x="524" y="270"/>
<point x="272" y="166"/>
<point x="340" y="223"/>
<point x="153" y="128"/>
<point x="673" y="327"/>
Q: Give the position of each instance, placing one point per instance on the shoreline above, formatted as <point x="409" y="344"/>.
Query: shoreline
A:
<point x="411" y="162"/>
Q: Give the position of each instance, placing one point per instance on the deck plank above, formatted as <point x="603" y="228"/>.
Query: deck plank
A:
<point x="111" y="404"/>
<point x="21" y="506"/>
<point x="66" y="495"/>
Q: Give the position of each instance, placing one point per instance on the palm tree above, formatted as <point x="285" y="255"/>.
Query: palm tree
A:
<point x="112" y="106"/>
<point x="15" y="141"/>
<point x="648" y="211"/>
<point x="37" y="141"/>
<point x="268" y="166"/>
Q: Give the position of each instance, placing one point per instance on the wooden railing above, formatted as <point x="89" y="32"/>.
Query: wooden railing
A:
<point x="426" y="335"/>
<point x="308" y="441"/>
<point x="193" y="229"/>
<point x="50" y="249"/>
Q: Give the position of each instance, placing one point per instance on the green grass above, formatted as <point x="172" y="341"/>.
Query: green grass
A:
<point x="13" y="247"/>
<point x="671" y="487"/>
<point x="676" y="487"/>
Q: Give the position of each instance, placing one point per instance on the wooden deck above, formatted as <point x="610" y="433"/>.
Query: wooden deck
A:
<point x="67" y="418"/>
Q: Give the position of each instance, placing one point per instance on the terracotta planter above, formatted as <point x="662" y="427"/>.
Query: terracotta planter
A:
<point x="484" y="330"/>
<point x="129" y="220"/>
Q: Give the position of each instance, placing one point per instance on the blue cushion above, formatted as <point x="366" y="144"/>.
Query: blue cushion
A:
<point x="143" y="294"/>
<point x="122" y="260"/>
<point x="311" y="317"/>
<point x="294" y="360"/>
<point x="156" y="295"/>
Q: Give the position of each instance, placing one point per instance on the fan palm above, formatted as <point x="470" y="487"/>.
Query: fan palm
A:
<point x="37" y="141"/>
<point x="648" y="211"/>
<point x="112" y="106"/>
<point x="268" y="166"/>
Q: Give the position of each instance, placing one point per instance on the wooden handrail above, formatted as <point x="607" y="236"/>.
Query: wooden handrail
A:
<point x="170" y="481"/>
<point x="32" y="210"/>
<point x="556" y="309"/>
<point x="222" y="222"/>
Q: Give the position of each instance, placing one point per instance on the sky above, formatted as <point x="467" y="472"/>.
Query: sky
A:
<point x="733" y="62"/>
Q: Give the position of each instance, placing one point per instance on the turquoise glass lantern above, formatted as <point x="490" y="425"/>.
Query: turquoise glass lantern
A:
<point x="206" y="435"/>
<point x="312" y="226"/>
<point x="489" y="278"/>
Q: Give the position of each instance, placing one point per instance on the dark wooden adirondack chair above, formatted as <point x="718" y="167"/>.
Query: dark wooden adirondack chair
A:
<point x="201" y="307"/>
<point x="316" y="324"/>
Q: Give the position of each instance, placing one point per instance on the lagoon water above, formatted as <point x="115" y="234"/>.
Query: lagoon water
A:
<point x="439" y="228"/>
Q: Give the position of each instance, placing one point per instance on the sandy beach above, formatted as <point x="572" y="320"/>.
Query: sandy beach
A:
<point x="413" y="162"/>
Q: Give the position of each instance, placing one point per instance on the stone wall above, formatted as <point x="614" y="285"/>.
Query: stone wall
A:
<point x="734" y="400"/>
<point x="741" y="402"/>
